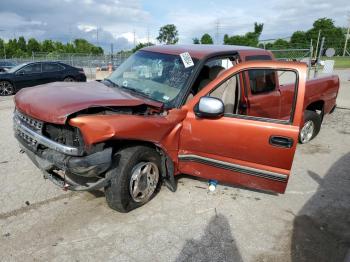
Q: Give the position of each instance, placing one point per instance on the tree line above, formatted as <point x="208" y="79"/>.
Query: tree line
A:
<point x="22" y="48"/>
<point x="334" y="37"/>
<point x="168" y="34"/>
<point x="325" y="27"/>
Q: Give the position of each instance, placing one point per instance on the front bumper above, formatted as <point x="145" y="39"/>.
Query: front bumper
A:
<point x="76" y="172"/>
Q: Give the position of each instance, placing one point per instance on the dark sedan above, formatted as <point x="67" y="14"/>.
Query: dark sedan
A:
<point x="37" y="73"/>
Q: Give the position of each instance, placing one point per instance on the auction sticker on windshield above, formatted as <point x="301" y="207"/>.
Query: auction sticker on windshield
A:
<point x="186" y="59"/>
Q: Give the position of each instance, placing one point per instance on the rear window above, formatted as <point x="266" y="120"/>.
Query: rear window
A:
<point x="262" y="81"/>
<point x="257" y="57"/>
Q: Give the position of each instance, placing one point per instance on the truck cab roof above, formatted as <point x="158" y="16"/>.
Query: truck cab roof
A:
<point x="203" y="51"/>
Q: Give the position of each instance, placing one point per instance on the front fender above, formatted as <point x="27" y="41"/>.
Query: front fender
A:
<point x="151" y="128"/>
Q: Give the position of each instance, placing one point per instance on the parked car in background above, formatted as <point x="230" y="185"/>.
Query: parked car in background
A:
<point x="6" y="65"/>
<point x="37" y="73"/>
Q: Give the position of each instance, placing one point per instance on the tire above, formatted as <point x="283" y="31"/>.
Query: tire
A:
<point x="129" y="163"/>
<point x="311" y="127"/>
<point x="68" y="79"/>
<point x="6" y="88"/>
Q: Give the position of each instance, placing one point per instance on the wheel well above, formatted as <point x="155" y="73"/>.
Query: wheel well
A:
<point x="167" y="163"/>
<point x="118" y="144"/>
<point x="316" y="106"/>
<point x="70" y="76"/>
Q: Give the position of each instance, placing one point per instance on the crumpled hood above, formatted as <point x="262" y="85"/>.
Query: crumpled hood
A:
<point x="54" y="102"/>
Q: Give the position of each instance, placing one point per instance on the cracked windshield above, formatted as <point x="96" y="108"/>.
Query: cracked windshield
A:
<point x="158" y="76"/>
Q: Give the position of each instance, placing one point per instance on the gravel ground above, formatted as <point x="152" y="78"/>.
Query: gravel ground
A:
<point x="311" y="222"/>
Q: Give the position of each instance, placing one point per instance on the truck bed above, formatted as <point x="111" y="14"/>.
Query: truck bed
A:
<point x="322" y="88"/>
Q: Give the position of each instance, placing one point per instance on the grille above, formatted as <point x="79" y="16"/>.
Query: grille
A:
<point x="29" y="141"/>
<point x="33" y="133"/>
<point x="33" y="124"/>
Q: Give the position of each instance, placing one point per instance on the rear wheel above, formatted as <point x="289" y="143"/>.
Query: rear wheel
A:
<point x="136" y="177"/>
<point x="69" y="79"/>
<point x="311" y="127"/>
<point x="6" y="88"/>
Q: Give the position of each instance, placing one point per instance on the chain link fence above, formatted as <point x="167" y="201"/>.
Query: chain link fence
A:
<point x="291" y="54"/>
<point x="92" y="63"/>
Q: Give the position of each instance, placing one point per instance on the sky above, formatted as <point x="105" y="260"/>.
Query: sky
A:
<point x="119" y="22"/>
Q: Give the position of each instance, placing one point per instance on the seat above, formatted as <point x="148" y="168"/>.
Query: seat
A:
<point x="227" y="92"/>
<point x="214" y="71"/>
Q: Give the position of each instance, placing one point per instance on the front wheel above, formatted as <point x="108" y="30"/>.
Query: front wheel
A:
<point x="6" y="88"/>
<point x="311" y="127"/>
<point x="136" y="176"/>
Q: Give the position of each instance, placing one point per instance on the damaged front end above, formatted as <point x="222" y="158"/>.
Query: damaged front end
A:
<point x="58" y="150"/>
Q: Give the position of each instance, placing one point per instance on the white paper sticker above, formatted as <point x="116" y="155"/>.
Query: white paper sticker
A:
<point x="186" y="59"/>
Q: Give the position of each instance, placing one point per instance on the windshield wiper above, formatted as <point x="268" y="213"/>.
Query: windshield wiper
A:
<point x="138" y="92"/>
<point x="110" y="81"/>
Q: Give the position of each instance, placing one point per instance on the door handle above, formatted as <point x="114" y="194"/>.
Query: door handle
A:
<point x="281" y="141"/>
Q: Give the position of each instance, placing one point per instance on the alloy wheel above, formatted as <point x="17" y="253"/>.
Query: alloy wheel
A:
<point x="6" y="88"/>
<point x="307" y="132"/>
<point x="144" y="180"/>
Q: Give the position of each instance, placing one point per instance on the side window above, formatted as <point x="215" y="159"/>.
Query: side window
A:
<point x="262" y="81"/>
<point x="31" y="69"/>
<point x="51" y="67"/>
<point x="257" y="57"/>
<point x="277" y="106"/>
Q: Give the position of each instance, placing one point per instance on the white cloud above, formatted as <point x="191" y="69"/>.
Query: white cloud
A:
<point x="65" y="20"/>
<point x="116" y="20"/>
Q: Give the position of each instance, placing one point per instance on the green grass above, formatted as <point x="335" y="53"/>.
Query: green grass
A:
<point x="340" y="62"/>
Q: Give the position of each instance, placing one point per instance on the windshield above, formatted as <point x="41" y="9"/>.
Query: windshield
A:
<point x="14" y="69"/>
<point x="158" y="76"/>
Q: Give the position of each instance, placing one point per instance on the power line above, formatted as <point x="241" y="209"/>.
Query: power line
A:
<point x="217" y="31"/>
<point x="134" y="38"/>
<point x="97" y="42"/>
<point x="147" y="35"/>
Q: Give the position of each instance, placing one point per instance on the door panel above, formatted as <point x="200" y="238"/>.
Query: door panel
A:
<point x="52" y="72"/>
<point x="244" y="150"/>
<point x="246" y="140"/>
<point x="242" y="142"/>
<point x="30" y="75"/>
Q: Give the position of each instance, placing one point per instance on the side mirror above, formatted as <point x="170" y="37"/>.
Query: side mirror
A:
<point x="209" y="107"/>
<point x="19" y="73"/>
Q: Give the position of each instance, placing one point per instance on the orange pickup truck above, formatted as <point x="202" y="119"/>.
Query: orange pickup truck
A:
<point x="228" y="113"/>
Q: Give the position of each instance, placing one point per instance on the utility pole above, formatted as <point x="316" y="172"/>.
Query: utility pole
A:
<point x="347" y="35"/>
<point x="134" y="38"/>
<point x="318" y="40"/>
<point x="310" y="59"/>
<point x="217" y="26"/>
<point x="147" y="35"/>
<point x="70" y="34"/>
<point x="97" y="42"/>
<point x="111" y="52"/>
<point x="319" y="56"/>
